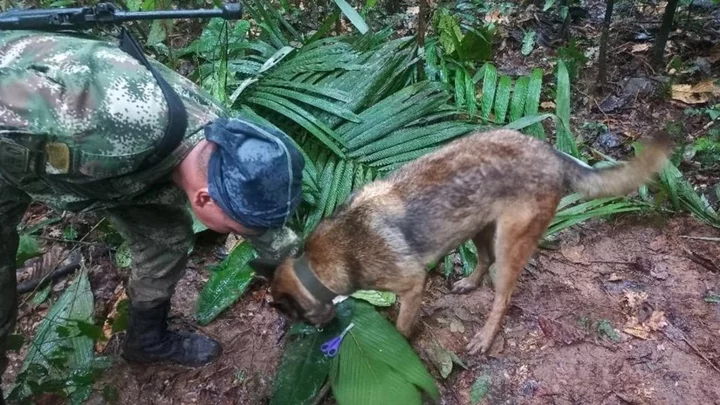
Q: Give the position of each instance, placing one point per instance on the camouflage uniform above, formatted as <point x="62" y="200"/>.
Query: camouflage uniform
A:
<point x="77" y="117"/>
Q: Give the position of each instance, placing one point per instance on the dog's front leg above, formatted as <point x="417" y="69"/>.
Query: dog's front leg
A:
<point x="410" y="301"/>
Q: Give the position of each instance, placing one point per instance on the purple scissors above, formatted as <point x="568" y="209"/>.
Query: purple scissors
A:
<point x="331" y="347"/>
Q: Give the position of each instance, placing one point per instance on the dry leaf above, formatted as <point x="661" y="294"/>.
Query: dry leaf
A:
<point x="695" y="94"/>
<point x="656" y="322"/>
<point x="107" y="327"/>
<point x="634" y="298"/>
<point x="548" y="105"/>
<point x="640" y="48"/>
<point x="614" y="277"/>
<point x="456" y="326"/>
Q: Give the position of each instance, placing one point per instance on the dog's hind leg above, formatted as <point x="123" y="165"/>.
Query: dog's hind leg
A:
<point x="518" y="233"/>
<point x="486" y="257"/>
<point x="410" y="300"/>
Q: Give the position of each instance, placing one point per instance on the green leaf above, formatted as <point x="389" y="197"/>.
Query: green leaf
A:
<point x="226" y="285"/>
<point x="528" y="42"/>
<point x="488" y="90"/>
<point x="40" y="296"/>
<point x="517" y="105"/>
<point x="325" y="184"/>
<point x="123" y="256"/>
<point x="468" y="254"/>
<point x="470" y="94"/>
<point x="28" y="248"/>
<point x="502" y="98"/>
<point x="525" y="122"/>
<point x="74" y="305"/>
<point x="377" y="298"/>
<point x="304" y="368"/>
<point x="376" y="363"/>
<point x="460" y="88"/>
<point x="605" y="328"/>
<point x="476" y="46"/>
<point x="110" y="394"/>
<point x="352" y="15"/>
<point x="333" y="194"/>
<point x="122" y="320"/>
<point x="533" y="102"/>
<point x="480" y="388"/>
<point x="442" y="359"/>
<point x="548" y="4"/>
<point x="448" y="265"/>
<point x="564" y="140"/>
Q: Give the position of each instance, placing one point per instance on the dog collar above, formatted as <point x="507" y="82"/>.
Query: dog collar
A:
<point x="310" y="281"/>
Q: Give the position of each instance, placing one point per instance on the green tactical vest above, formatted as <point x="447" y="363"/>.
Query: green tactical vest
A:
<point x="78" y="116"/>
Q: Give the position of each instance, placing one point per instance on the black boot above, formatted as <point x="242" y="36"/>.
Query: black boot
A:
<point x="149" y="341"/>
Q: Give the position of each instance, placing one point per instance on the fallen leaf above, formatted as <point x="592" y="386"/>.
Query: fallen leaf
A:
<point x="615" y="277"/>
<point x="457" y="360"/>
<point x="107" y="327"/>
<point x="640" y="48"/>
<point x="695" y="94"/>
<point x="480" y="388"/>
<point x="549" y="105"/>
<point x="642" y="330"/>
<point x="634" y="298"/>
<point x="463" y="314"/>
<point x="456" y="326"/>
<point x="441" y="359"/>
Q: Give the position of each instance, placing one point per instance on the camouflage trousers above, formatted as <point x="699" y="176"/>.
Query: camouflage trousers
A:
<point x="159" y="237"/>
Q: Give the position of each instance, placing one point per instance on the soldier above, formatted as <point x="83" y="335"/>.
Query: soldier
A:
<point x="80" y="120"/>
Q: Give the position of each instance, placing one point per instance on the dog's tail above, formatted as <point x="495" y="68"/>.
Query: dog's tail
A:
<point x="619" y="179"/>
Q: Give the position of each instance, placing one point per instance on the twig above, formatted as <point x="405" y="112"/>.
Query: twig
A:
<point x="706" y="238"/>
<point x="66" y="256"/>
<point x="321" y="395"/>
<point x="700" y="354"/>
<point x="56" y="274"/>
<point x="70" y="241"/>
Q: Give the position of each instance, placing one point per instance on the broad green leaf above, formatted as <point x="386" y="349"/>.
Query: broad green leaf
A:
<point x="460" y="88"/>
<point x="376" y="363"/>
<point x="304" y="368"/>
<point x="564" y="139"/>
<point x="352" y="15"/>
<point x="533" y="102"/>
<point x="227" y="283"/>
<point x="470" y="95"/>
<point x="75" y="304"/>
<point x="517" y="105"/>
<point x="488" y="90"/>
<point x="377" y="298"/>
<point x="502" y="98"/>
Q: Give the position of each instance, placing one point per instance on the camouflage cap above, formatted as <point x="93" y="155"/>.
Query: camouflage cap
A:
<point x="254" y="173"/>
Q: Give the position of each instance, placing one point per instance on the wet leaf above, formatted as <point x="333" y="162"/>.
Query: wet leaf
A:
<point x="480" y="388"/>
<point x="40" y="296"/>
<point x="227" y="283"/>
<point x="468" y="254"/>
<point x="352" y="15"/>
<point x="376" y="363"/>
<point x="377" y="298"/>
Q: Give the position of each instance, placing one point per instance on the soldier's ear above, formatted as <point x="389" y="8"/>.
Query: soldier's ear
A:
<point x="264" y="269"/>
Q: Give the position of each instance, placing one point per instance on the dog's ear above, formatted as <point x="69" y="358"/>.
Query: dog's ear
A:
<point x="264" y="269"/>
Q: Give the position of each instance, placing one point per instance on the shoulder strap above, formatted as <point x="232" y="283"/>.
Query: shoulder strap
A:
<point x="177" y="115"/>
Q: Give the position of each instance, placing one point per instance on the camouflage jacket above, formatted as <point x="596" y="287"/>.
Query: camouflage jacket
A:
<point x="77" y="117"/>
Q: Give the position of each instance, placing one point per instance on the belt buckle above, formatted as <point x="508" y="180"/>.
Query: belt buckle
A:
<point x="13" y="157"/>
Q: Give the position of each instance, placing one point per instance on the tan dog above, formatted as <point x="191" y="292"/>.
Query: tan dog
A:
<point x="499" y="188"/>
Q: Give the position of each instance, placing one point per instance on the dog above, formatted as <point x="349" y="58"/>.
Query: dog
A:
<point x="499" y="189"/>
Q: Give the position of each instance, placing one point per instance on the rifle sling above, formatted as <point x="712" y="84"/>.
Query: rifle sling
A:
<point x="177" y="115"/>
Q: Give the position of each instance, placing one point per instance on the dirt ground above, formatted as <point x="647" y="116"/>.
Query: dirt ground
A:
<point x="550" y="351"/>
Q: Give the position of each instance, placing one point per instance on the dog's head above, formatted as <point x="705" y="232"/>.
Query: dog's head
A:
<point x="290" y="297"/>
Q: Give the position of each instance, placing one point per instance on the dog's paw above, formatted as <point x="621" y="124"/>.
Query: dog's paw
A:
<point x="464" y="286"/>
<point x="480" y="342"/>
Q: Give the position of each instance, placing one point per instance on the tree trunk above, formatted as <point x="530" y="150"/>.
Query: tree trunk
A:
<point x="602" y="56"/>
<point x="663" y="34"/>
<point x="421" y="28"/>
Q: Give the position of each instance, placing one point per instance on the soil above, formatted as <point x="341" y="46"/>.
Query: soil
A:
<point x="616" y="314"/>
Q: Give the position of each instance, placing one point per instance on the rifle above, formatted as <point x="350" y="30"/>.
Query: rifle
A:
<point x="101" y="14"/>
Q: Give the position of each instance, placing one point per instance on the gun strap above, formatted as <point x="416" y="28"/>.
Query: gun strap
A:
<point x="177" y="115"/>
